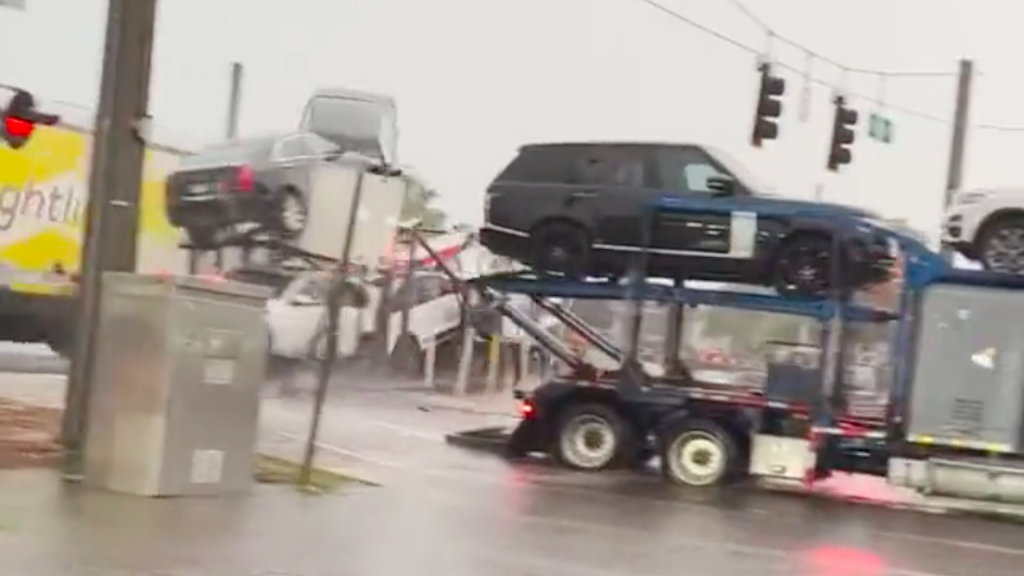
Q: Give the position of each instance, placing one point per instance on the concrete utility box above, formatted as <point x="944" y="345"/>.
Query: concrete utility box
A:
<point x="176" y="386"/>
<point x="968" y="382"/>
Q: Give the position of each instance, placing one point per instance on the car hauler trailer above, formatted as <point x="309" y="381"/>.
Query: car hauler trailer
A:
<point x="952" y="425"/>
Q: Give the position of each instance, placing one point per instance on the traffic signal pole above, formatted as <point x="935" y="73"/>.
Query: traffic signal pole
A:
<point x="115" y="179"/>
<point x="958" y="144"/>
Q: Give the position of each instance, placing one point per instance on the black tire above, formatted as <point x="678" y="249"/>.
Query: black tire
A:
<point x="698" y="454"/>
<point x="561" y="247"/>
<point x="202" y="236"/>
<point x="1009" y="257"/>
<point x="615" y="438"/>
<point x="407" y="357"/>
<point x="803" y="266"/>
<point x="290" y="214"/>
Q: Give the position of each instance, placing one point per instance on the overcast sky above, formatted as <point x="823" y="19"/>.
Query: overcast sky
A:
<point x="476" y="78"/>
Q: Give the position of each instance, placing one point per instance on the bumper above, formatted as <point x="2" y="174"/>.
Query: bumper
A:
<point x="219" y="210"/>
<point x="507" y="243"/>
<point x="955" y="236"/>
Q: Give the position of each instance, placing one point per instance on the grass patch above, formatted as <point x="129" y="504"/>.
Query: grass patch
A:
<point x="273" y="470"/>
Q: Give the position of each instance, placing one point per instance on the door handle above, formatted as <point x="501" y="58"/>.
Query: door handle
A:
<point x="582" y="194"/>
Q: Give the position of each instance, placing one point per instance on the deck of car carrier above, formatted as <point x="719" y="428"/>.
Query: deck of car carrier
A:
<point x="952" y="425"/>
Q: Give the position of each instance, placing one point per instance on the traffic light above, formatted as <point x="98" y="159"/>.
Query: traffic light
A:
<point x="769" y="106"/>
<point x="20" y="118"/>
<point x="842" y="135"/>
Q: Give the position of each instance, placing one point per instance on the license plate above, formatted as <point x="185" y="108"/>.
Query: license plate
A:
<point x="201" y="189"/>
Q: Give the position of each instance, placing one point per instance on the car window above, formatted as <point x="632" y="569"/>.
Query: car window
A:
<point x="685" y="170"/>
<point x="540" y="165"/>
<point x="291" y="147"/>
<point x="610" y="166"/>
<point x="321" y="147"/>
<point x="429" y="288"/>
<point x="231" y="153"/>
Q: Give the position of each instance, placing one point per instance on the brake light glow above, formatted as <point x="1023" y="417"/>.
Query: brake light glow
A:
<point x="244" y="179"/>
<point x="18" y="127"/>
<point x="526" y="408"/>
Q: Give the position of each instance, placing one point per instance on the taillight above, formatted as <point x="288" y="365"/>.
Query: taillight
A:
<point x="526" y="408"/>
<point x="244" y="179"/>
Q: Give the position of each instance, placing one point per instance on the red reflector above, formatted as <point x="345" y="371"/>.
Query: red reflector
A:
<point x="244" y="179"/>
<point x="525" y="408"/>
<point x="18" y="127"/>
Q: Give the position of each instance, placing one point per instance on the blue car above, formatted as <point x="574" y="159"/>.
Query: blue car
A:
<point x="582" y="209"/>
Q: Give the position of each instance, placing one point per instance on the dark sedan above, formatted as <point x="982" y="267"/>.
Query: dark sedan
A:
<point x="263" y="181"/>
<point x="581" y="209"/>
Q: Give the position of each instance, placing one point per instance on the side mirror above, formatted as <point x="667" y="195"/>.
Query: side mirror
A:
<point x="721" y="185"/>
<point x="305" y="300"/>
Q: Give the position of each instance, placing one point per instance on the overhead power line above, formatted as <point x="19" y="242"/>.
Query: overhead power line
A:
<point x="801" y="70"/>
<point x="775" y="35"/>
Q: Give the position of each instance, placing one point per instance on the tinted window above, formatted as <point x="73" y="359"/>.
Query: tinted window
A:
<point x="541" y="165"/>
<point x="238" y="152"/>
<point x="610" y="166"/>
<point x="685" y="169"/>
<point x="429" y="288"/>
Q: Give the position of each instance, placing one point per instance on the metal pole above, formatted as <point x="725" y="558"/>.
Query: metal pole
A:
<point x="112" y="213"/>
<point x="961" y="116"/>
<point x="339" y="277"/>
<point x="235" y="100"/>
<point x="958" y="144"/>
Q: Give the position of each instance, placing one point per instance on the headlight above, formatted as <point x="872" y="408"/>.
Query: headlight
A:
<point x="967" y="198"/>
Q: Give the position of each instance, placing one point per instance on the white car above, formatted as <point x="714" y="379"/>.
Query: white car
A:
<point x="988" y="226"/>
<point x="296" y="317"/>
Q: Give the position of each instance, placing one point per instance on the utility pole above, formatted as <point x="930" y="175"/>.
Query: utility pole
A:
<point x="234" y="101"/>
<point x="115" y="177"/>
<point x="961" y="117"/>
<point x="958" y="144"/>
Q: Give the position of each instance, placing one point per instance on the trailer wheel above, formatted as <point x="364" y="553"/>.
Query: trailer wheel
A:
<point x="698" y="454"/>
<point x="594" y="437"/>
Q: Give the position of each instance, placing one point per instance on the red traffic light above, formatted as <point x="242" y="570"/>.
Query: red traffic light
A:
<point x="20" y="118"/>
<point x="18" y="127"/>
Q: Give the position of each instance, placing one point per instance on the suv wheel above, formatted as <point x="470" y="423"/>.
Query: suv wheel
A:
<point x="202" y="236"/>
<point x="561" y="247"/>
<point x="803" y="266"/>
<point x="291" y="212"/>
<point x="1001" y="246"/>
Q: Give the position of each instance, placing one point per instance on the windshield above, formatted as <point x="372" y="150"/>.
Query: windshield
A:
<point x="740" y="171"/>
<point x="354" y="124"/>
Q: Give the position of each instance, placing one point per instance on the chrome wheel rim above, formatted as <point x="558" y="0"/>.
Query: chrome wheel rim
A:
<point x="1004" y="251"/>
<point x="697" y="459"/>
<point x="589" y="442"/>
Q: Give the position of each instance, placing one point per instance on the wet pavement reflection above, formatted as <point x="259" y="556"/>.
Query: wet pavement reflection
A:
<point x="524" y="520"/>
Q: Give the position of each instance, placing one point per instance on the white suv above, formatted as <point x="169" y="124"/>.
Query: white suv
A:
<point x="988" y="226"/>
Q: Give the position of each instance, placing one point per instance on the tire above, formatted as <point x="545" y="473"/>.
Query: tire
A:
<point x="803" y="266"/>
<point x="1001" y="245"/>
<point x="561" y="247"/>
<point x="699" y="454"/>
<point x="407" y="358"/>
<point x="202" y="236"/>
<point x="290" y="214"/>
<point x="616" y="439"/>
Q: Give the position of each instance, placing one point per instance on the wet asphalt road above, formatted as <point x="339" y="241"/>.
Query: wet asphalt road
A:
<point x="442" y="510"/>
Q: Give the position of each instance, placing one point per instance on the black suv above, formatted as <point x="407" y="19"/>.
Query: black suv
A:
<point x="580" y="209"/>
